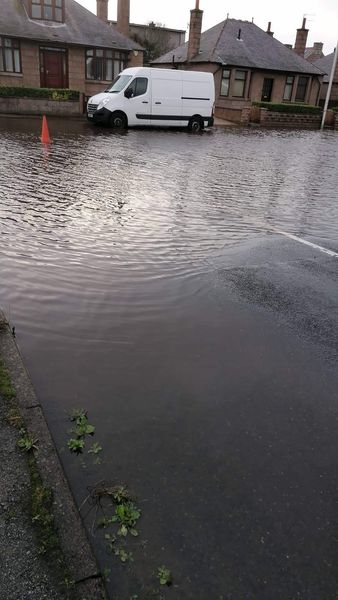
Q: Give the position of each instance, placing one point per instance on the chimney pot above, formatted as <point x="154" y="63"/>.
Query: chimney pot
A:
<point x="268" y="31"/>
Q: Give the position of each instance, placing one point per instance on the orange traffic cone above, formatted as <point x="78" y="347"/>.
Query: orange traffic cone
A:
<point x="45" y="138"/>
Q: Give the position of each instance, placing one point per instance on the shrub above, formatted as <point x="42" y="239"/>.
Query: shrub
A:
<point x="305" y="109"/>
<point x="334" y="109"/>
<point x="47" y="93"/>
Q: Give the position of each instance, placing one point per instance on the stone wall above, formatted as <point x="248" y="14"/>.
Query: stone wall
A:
<point x="41" y="106"/>
<point x="269" y="118"/>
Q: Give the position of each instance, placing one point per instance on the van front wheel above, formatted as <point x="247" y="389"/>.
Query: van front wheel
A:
<point x="118" y="120"/>
<point x="195" y="124"/>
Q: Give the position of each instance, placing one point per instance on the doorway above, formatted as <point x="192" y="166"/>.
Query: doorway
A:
<point x="267" y="90"/>
<point x="53" y="68"/>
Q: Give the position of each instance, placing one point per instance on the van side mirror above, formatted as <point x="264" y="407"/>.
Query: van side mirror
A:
<point x="128" y="93"/>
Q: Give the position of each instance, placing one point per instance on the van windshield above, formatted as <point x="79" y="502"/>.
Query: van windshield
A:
<point x="119" y="84"/>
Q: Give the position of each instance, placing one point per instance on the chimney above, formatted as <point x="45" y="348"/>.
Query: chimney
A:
<point x="301" y="37"/>
<point x="195" y="31"/>
<point x="268" y="31"/>
<point x="318" y="49"/>
<point x="123" y="17"/>
<point x="102" y="10"/>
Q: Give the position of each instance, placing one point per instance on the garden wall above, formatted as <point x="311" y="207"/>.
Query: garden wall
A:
<point x="39" y="106"/>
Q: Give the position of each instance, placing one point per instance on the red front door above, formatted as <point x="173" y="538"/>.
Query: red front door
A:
<point x="53" y="68"/>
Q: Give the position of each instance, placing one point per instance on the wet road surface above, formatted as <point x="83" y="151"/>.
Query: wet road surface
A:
<point x="202" y="343"/>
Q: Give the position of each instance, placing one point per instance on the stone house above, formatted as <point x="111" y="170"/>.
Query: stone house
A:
<point x="60" y="44"/>
<point x="248" y="64"/>
<point x="325" y="64"/>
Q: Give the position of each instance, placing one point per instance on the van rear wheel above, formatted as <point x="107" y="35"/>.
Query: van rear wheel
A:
<point x="118" y="120"/>
<point x="195" y="124"/>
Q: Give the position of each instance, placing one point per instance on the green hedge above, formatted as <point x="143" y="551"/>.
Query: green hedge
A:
<point x="334" y="108"/>
<point x="305" y="109"/>
<point x="47" y="93"/>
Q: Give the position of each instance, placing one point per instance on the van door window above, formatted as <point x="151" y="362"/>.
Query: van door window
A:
<point x="138" y="86"/>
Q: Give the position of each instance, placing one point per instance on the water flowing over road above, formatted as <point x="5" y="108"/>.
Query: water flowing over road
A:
<point x="149" y="284"/>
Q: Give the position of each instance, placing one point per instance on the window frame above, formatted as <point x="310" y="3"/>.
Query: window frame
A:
<point x="227" y="79"/>
<point x="292" y="84"/>
<point x="134" y="83"/>
<point x="14" y="47"/>
<point x="297" y="98"/>
<point x="43" y="5"/>
<point x="240" y="79"/>
<point x="114" y="56"/>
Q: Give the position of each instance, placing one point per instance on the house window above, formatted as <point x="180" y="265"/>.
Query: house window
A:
<point x="225" y="83"/>
<point x="301" y="89"/>
<point x="239" y="84"/>
<point x="288" y="88"/>
<point x="104" y="65"/>
<point x="47" y="10"/>
<point x="10" y="60"/>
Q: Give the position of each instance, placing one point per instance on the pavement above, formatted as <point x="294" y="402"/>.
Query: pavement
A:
<point x="224" y="123"/>
<point x="29" y="568"/>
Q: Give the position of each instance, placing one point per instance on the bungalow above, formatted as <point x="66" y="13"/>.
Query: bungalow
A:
<point x="248" y="64"/>
<point x="60" y="44"/>
<point x="325" y="64"/>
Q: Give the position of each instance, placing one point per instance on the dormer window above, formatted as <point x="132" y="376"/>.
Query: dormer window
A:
<point x="47" y="10"/>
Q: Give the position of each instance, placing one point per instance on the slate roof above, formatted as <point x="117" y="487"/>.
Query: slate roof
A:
<point x="81" y="27"/>
<point x="325" y="64"/>
<point x="256" y="49"/>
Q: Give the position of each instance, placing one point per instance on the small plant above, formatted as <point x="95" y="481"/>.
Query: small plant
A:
<point x="6" y="388"/>
<point x="69" y="583"/>
<point x="120" y="494"/>
<point x="14" y="417"/>
<point x="25" y="442"/>
<point x="123" y="555"/>
<point x="95" y="448"/>
<point x="76" y="445"/>
<point x="127" y="514"/>
<point x="81" y="430"/>
<point x="164" y="576"/>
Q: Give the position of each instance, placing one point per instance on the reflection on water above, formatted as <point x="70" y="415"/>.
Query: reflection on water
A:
<point x="106" y="241"/>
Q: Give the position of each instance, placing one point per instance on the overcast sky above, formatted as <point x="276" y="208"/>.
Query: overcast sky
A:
<point x="286" y="16"/>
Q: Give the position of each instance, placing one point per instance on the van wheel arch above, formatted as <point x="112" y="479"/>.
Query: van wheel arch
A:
<point x="118" y="120"/>
<point x="196" y="124"/>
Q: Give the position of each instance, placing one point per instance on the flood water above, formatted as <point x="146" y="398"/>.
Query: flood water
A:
<point x="109" y="243"/>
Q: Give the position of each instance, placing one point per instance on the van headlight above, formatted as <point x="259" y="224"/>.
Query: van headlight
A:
<point x="103" y="103"/>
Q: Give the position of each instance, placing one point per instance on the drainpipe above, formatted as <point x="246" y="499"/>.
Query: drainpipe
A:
<point x="195" y="31"/>
<point x="328" y="94"/>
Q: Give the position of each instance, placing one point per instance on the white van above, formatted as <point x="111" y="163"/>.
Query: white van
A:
<point x="157" y="97"/>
